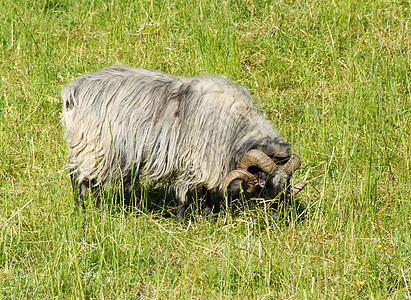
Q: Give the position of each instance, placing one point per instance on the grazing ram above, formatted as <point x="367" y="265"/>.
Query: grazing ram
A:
<point x="124" y="123"/>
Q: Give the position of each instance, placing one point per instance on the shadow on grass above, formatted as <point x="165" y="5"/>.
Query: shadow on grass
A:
<point x="163" y="202"/>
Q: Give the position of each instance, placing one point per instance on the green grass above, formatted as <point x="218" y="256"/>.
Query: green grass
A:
<point x="333" y="76"/>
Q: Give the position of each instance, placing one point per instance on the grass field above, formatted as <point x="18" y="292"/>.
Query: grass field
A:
<point x="334" y="78"/>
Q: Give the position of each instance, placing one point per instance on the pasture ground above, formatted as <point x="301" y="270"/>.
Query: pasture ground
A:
<point x="334" y="78"/>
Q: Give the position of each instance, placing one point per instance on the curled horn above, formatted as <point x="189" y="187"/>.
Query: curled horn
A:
<point x="292" y="164"/>
<point x="257" y="158"/>
<point x="298" y="187"/>
<point x="251" y="158"/>
<point x="249" y="178"/>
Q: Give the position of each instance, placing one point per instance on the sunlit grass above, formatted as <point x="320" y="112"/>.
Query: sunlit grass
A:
<point x="334" y="77"/>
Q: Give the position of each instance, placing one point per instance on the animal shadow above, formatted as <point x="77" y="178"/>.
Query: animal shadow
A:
<point x="163" y="202"/>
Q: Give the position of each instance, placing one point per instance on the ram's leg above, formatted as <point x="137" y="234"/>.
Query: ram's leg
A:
<point x="181" y="209"/>
<point x="81" y="190"/>
<point x="181" y="192"/>
<point x="78" y="190"/>
<point x="208" y="210"/>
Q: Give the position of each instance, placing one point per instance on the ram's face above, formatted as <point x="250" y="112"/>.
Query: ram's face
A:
<point x="274" y="184"/>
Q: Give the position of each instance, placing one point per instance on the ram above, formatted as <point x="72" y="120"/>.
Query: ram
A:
<point x="125" y="124"/>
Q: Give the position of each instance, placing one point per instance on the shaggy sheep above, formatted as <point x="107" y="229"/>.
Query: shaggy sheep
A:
<point x="124" y="123"/>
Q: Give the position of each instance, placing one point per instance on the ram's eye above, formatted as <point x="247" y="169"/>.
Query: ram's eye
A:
<point x="261" y="182"/>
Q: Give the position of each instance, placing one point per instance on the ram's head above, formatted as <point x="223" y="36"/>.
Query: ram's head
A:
<point x="260" y="173"/>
